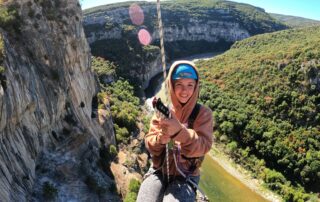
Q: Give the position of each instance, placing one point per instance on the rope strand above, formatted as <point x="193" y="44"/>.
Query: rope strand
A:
<point x="163" y="60"/>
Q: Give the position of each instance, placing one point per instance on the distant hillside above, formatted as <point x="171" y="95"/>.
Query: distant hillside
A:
<point x="190" y="27"/>
<point x="294" y="21"/>
<point x="265" y="94"/>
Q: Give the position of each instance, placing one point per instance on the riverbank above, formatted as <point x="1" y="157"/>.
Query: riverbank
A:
<point x="241" y="174"/>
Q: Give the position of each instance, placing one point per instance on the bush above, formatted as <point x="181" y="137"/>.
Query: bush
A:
<point x="124" y="108"/>
<point x="122" y="134"/>
<point x="49" y="191"/>
<point x="1" y="49"/>
<point x="102" y="66"/>
<point x="232" y="147"/>
<point x="272" y="176"/>
<point x="2" y="69"/>
<point x="113" y="150"/>
<point x="134" y="186"/>
<point x="130" y="197"/>
<point x="9" y="18"/>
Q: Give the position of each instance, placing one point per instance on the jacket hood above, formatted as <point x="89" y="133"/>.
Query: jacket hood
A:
<point x="182" y="111"/>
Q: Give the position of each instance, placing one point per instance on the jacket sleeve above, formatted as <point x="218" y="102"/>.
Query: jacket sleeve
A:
<point x="197" y="142"/>
<point x="155" y="141"/>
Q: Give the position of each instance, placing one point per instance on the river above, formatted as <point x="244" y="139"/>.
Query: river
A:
<point x="217" y="183"/>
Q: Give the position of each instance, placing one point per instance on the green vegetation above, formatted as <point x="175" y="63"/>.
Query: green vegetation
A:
<point x="133" y="191"/>
<point x="1" y="54"/>
<point x="49" y="191"/>
<point x="103" y="67"/>
<point x="2" y="69"/>
<point x="124" y="105"/>
<point x="3" y="81"/>
<point x="253" y="19"/>
<point x="113" y="150"/>
<point x="124" y="109"/>
<point x="294" y="21"/>
<point x="9" y="18"/>
<point x="146" y="122"/>
<point x="265" y="96"/>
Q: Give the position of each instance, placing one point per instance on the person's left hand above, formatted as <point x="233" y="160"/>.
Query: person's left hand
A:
<point x="170" y="126"/>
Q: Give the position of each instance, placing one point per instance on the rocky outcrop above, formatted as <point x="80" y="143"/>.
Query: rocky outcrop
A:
<point x="48" y="132"/>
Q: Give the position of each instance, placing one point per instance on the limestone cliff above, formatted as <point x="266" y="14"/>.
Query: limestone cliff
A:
<point x="190" y="27"/>
<point x="48" y="129"/>
<point x="177" y="27"/>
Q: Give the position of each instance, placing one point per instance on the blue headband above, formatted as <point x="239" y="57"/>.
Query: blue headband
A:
<point x="184" y="71"/>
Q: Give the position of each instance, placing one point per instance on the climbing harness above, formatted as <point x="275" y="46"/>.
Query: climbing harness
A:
<point x="186" y="173"/>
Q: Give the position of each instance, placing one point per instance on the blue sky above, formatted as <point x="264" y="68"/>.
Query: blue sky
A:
<point x="303" y="8"/>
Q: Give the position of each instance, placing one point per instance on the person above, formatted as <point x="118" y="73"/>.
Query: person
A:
<point x="191" y="143"/>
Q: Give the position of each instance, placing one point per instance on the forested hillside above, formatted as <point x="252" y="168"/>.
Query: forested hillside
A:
<point x="265" y="96"/>
<point x="294" y="21"/>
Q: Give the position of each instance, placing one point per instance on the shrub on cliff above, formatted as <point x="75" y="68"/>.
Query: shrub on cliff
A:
<point x="49" y="191"/>
<point x="9" y="18"/>
<point x="134" y="186"/>
<point x="124" y="109"/>
<point x="1" y="49"/>
<point x="102" y="66"/>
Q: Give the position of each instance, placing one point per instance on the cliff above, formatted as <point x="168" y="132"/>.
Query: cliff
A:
<point x="190" y="27"/>
<point x="48" y="130"/>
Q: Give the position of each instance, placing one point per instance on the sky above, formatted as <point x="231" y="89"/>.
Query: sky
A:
<point x="302" y="8"/>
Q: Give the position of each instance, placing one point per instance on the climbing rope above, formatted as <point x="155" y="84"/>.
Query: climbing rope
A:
<point x="163" y="60"/>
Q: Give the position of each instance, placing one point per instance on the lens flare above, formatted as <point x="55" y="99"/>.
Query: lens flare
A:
<point x="144" y="37"/>
<point x="136" y="14"/>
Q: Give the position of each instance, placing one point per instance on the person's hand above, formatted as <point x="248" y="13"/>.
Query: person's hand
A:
<point x="163" y="138"/>
<point x="170" y="126"/>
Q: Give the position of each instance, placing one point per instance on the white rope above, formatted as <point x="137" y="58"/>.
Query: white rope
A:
<point x="163" y="56"/>
<point x="163" y="60"/>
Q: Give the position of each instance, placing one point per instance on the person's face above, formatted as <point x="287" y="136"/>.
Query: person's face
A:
<point x="183" y="89"/>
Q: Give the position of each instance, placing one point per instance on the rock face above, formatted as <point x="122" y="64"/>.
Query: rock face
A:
<point x="47" y="132"/>
<point x="182" y="27"/>
<point x="189" y="28"/>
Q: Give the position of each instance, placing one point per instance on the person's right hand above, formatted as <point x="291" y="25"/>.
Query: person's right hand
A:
<point x="170" y="126"/>
<point x="162" y="137"/>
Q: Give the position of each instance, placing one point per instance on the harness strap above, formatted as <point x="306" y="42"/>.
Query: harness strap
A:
<point x="193" y="115"/>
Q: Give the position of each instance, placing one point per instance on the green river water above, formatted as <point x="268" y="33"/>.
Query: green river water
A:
<point x="220" y="186"/>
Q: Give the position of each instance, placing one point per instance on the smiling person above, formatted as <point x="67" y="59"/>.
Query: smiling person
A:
<point x="189" y="128"/>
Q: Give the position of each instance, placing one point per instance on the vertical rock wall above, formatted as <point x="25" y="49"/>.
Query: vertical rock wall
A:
<point x="47" y="132"/>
